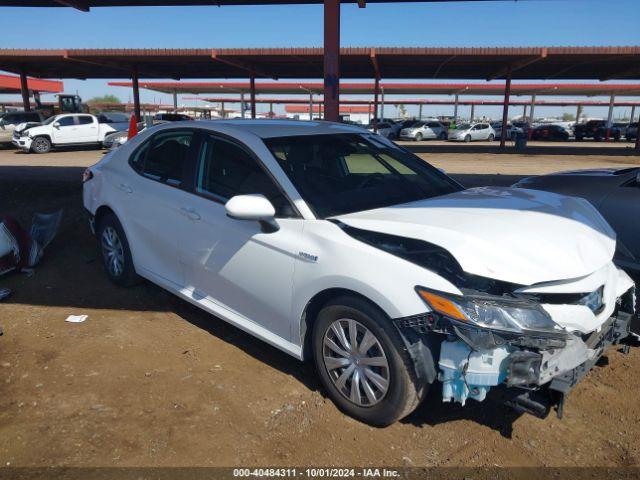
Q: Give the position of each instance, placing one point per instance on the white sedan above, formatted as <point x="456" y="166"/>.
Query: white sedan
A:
<point x="334" y="244"/>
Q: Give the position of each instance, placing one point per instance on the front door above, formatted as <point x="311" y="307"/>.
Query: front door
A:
<point x="234" y="263"/>
<point x="65" y="130"/>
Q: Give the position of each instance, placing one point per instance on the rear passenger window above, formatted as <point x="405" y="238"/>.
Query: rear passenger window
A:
<point x="84" y="119"/>
<point x="165" y="161"/>
<point x="226" y="170"/>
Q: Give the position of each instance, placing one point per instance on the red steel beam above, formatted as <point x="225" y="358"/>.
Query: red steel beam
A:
<point x="505" y="108"/>
<point x="331" y="60"/>
<point x="136" y="97"/>
<point x="24" y="90"/>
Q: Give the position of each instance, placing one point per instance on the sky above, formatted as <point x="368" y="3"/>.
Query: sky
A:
<point x="468" y="24"/>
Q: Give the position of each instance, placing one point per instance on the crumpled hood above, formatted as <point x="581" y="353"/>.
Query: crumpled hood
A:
<point x="21" y="127"/>
<point x="515" y="235"/>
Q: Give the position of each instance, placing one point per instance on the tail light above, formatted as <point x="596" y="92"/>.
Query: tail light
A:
<point x="87" y="175"/>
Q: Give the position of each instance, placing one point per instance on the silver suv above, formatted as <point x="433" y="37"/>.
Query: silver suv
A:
<point x="424" y="130"/>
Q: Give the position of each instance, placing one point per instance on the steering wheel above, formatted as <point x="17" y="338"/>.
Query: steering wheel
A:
<point x="371" y="178"/>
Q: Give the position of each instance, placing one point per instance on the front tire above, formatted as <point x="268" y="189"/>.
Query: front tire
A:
<point x="492" y="137"/>
<point x="41" y="145"/>
<point x="362" y="363"/>
<point x="115" y="253"/>
<point x="418" y="137"/>
<point x="467" y="138"/>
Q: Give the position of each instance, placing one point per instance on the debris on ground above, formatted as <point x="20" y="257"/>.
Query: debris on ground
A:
<point x="21" y="250"/>
<point x="76" y="318"/>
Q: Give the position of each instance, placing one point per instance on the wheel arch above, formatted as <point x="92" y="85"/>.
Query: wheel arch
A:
<point x="313" y="307"/>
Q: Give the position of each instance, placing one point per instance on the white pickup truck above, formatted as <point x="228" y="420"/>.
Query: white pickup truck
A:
<point x="63" y="130"/>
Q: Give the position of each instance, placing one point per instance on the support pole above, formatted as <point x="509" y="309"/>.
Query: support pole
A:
<point x="332" y="60"/>
<point x="633" y="113"/>
<point x="24" y="89"/>
<point x="375" y="104"/>
<point x="578" y="113"/>
<point x="310" y="106"/>
<point x="175" y="102"/>
<point x="242" y="105"/>
<point x="420" y="112"/>
<point x="455" y="109"/>
<point x="471" y="116"/>
<point x="607" y="135"/>
<point x="136" y="96"/>
<point x="382" y="105"/>
<point x="222" y="113"/>
<point x="524" y="112"/>
<point x="505" y="109"/>
<point x="531" y="113"/>
<point x="252" y="82"/>
<point x="270" y="109"/>
<point x="637" y="147"/>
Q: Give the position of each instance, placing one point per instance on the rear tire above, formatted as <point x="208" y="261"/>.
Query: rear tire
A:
<point x="467" y="139"/>
<point x="41" y="145"/>
<point x="114" y="251"/>
<point x="418" y="137"/>
<point x="492" y="137"/>
<point x="385" y="388"/>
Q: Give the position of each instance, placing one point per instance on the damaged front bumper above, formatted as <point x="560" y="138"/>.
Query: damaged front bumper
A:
<point x="530" y="374"/>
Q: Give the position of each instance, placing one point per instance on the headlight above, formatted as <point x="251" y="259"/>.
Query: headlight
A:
<point x="494" y="313"/>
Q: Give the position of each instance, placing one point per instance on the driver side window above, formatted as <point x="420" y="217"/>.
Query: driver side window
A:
<point x="66" y="122"/>
<point x="226" y="170"/>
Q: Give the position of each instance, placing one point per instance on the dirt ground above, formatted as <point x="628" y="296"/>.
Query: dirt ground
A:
<point x="149" y="380"/>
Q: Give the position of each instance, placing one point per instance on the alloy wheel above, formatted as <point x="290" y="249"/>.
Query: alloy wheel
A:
<point x="40" y="145"/>
<point x="113" y="251"/>
<point x="356" y="362"/>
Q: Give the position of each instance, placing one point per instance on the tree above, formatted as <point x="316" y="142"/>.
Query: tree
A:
<point x="568" y="117"/>
<point x="104" y="99"/>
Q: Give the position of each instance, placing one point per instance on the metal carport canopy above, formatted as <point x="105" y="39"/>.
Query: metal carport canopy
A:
<point x="10" y="84"/>
<point x="85" y="5"/>
<point x="491" y="89"/>
<point x="531" y="63"/>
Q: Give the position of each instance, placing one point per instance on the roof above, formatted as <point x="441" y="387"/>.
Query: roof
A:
<point x="264" y="128"/>
<point x="11" y="84"/>
<point x="390" y="88"/>
<point x="532" y="63"/>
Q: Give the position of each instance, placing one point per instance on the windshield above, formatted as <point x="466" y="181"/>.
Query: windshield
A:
<point x="49" y="120"/>
<point x="345" y="173"/>
<point x="464" y="126"/>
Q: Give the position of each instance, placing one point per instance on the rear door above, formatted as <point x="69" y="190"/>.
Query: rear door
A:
<point x="151" y="197"/>
<point x="87" y="131"/>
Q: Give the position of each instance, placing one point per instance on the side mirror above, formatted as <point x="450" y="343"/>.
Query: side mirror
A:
<point x="56" y="124"/>
<point x="253" y="207"/>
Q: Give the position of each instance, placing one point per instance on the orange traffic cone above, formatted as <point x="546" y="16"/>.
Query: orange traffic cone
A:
<point x="133" y="127"/>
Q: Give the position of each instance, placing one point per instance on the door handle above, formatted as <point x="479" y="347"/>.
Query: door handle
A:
<point x="190" y="213"/>
<point x="125" y="188"/>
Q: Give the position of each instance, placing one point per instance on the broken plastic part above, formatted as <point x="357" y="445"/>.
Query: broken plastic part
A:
<point x="470" y="374"/>
<point x="44" y="227"/>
